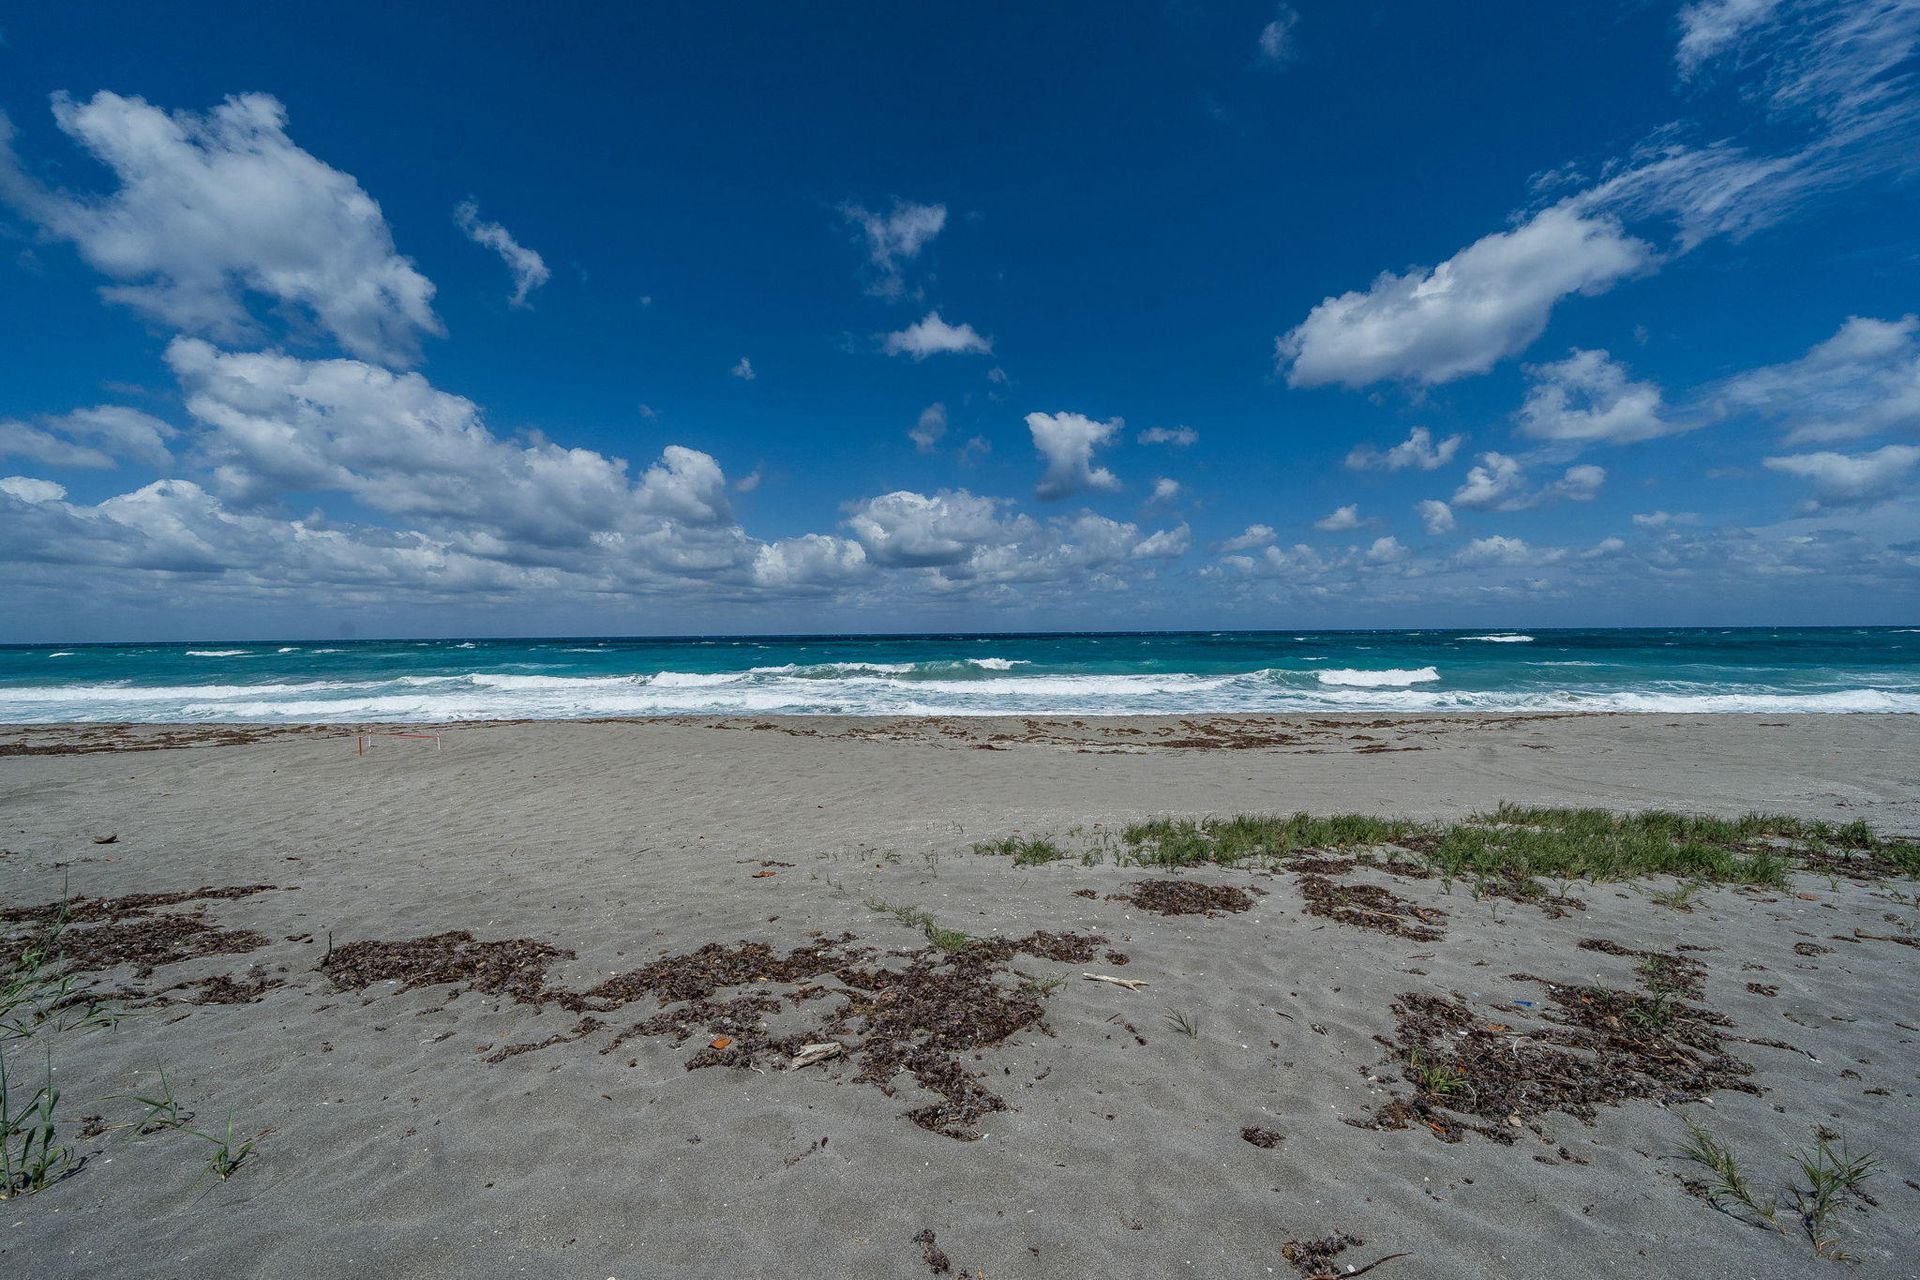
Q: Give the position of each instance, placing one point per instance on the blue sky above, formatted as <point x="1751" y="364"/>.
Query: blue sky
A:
<point x="420" y="320"/>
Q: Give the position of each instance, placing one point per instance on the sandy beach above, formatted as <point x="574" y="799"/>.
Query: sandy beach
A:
<point x="608" y="1089"/>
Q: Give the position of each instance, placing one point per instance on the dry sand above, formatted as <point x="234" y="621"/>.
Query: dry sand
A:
<point x="394" y="1147"/>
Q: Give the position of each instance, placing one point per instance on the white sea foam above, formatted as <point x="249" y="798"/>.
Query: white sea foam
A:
<point x="219" y="653"/>
<point x="64" y="653"/>
<point x="1508" y="638"/>
<point x="1377" y="679"/>
<point x="288" y="648"/>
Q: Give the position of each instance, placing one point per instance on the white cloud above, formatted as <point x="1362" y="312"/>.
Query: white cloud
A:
<point x="529" y="269"/>
<point x="1435" y="515"/>
<point x="1834" y="86"/>
<point x="931" y="336"/>
<point x="1165" y="489"/>
<point x="275" y="425"/>
<point x="1387" y="550"/>
<point x="212" y="208"/>
<point x="748" y="482"/>
<point x="1860" y="382"/>
<point x="1340" y="518"/>
<point x="1066" y="442"/>
<point x="1587" y="398"/>
<point x="811" y="560"/>
<point x="1180" y="437"/>
<point x="1497" y="550"/>
<point x="28" y="489"/>
<point x="1709" y="26"/>
<point x="743" y="370"/>
<point x="1417" y="450"/>
<point x="1164" y="545"/>
<point x="1494" y="482"/>
<point x="1661" y="519"/>
<point x="963" y="541"/>
<point x="1498" y="482"/>
<point x="895" y="237"/>
<point x="1276" y="38"/>
<point x="97" y="438"/>
<point x="1851" y="479"/>
<point x="926" y="433"/>
<point x="1256" y="535"/>
<point x="917" y="530"/>
<point x="1486" y="302"/>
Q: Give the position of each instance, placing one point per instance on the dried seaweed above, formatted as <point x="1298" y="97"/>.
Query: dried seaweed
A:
<point x="1368" y="906"/>
<point x="1185" y="897"/>
<point x="516" y="967"/>
<point x="1598" y="1047"/>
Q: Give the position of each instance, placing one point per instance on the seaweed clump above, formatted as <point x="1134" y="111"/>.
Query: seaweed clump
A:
<point x="1185" y="897"/>
<point x="1598" y="1046"/>
<point x="1368" y="906"/>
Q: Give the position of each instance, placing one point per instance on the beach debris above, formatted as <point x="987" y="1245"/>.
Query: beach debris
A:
<point x="1131" y="984"/>
<point x="1259" y="1137"/>
<point x="1600" y="1047"/>
<point x="1185" y="897"/>
<point x="108" y="839"/>
<point x="1314" y="1259"/>
<point x="932" y="1254"/>
<point x="515" y="967"/>
<point x="916" y="1014"/>
<point x="1368" y="906"/>
<point x="812" y="1053"/>
<point x="762" y="875"/>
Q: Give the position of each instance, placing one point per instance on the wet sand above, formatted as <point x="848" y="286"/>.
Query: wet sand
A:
<point x="408" y="1133"/>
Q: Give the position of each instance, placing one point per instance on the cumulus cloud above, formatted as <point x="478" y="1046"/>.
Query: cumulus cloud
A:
<point x="1498" y="482"/>
<point x="1164" y="544"/>
<point x="1417" y="450"/>
<point x="932" y="336"/>
<point x="1387" y="550"/>
<point x="1497" y="549"/>
<point x="1165" y="490"/>
<point x="28" y="489"/>
<point x="1435" y="516"/>
<point x="1255" y="535"/>
<point x="1066" y="442"/>
<point x="893" y="238"/>
<point x="1862" y="381"/>
<point x="926" y="433"/>
<point x="813" y="560"/>
<point x="1179" y="437"/>
<point x="743" y="370"/>
<point x="1587" y="398"/>
<point x="1851" y="479"/>
<point x="212" y="209"/>
<point x="1276" y="38"/>
<point x="528" y="269"/>
<point x="99" y="437"/>
<point x="1339" y="519"/>
<point x="274" y="425"/>
<point x="918" y="530"/>
<point x="961" y="539"/>
<point x="1486" y="302"/>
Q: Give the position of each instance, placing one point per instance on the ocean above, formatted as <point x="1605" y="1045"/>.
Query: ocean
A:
<point x="1763" y="670"/>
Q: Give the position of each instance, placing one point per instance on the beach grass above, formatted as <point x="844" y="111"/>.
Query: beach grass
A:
<point x="1517" y="845"/>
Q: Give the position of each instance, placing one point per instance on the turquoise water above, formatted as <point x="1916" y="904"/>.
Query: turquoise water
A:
<point x="1751" y="670"/>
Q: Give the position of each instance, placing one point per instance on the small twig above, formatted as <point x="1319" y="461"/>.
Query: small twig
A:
<point x="1131" y="984"/>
